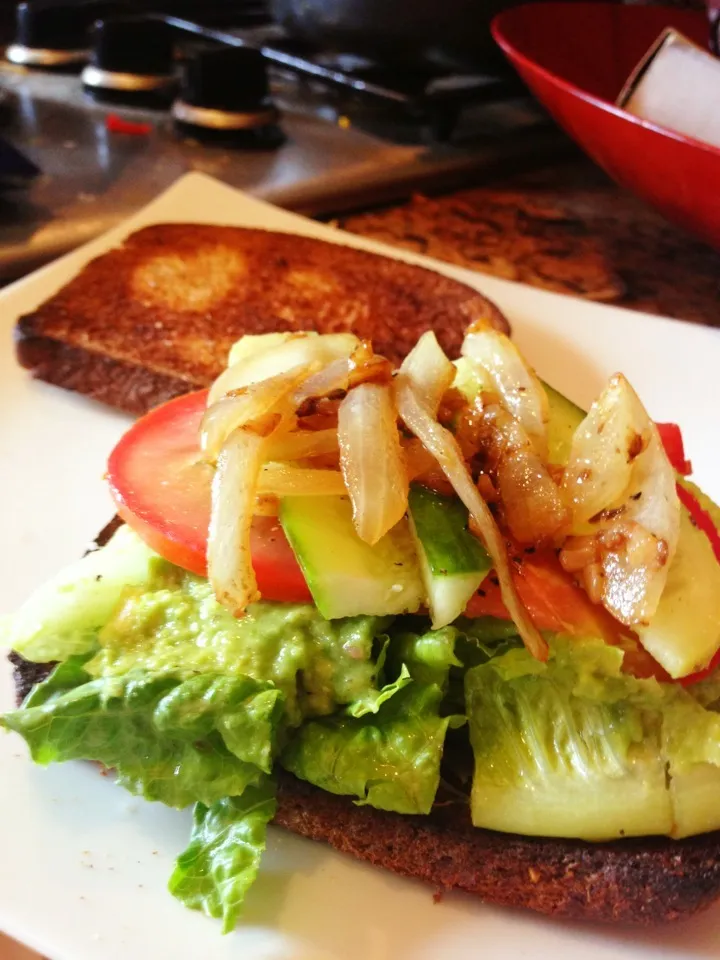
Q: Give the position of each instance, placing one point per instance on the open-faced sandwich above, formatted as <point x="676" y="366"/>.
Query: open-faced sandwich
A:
<point x="436" y="615"/>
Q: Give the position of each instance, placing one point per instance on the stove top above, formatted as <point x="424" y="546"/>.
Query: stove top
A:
<point x="145" y="98"/>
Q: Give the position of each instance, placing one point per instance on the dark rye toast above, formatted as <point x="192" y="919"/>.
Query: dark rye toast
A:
<point x="636" y="881"/>
<point x="156" y="317"/>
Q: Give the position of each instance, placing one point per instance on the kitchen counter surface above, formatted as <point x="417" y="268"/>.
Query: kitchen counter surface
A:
<point x="566" y="228"/>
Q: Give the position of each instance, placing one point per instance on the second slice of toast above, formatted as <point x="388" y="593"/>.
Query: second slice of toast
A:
<point x="156" y="317"/>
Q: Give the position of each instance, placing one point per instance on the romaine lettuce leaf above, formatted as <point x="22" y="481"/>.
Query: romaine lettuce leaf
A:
<point x="427" y="656"/>
<point x="568" y="748"/>
<point x="374" y="699"/>
<point x="389" y="759"/>
<point x="175" y="741"/>
<point x="137" y="611"/>
<point x="223" y="858"/>
<point x="577" y="747"/>
<point x="431" y="655"/>
<point x="691" y="746"/>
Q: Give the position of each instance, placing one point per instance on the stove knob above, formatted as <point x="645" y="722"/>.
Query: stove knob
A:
<point x="50" y="34"/>
<point x="130" y="55"/>
<point x="226" y="89"/>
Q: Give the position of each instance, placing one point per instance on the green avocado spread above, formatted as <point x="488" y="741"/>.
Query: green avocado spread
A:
<point x="174" y="625"/>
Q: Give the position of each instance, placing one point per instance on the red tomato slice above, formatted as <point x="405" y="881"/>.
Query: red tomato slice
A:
<point x="551" y="596"/>
<point x="555" y="602"/>
<point x="161" y="488"/>
<point x="674" y="447"/>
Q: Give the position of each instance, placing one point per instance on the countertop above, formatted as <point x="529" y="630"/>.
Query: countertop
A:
<point x="566" y="228"/>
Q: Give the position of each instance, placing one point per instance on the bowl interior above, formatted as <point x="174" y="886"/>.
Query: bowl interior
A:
<point x="593" y="46"/>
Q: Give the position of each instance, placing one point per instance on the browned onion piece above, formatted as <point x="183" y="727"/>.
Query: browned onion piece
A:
<point x="284" y="480"/>
<point x="443" y="446"/>
<point x="234" y="491"/>
<point x="331" y="379"/>
<point x="621" y="490"/>
<point x="301" y="444"/>
<point x="417" y="459"/>
<point x="513" y="378"/>
<point x="371" y="460"/>
<point x="286" y="352"/>
<point x="532" y="502"/>
<point x="249" y="404"/>
<point x="429" y="370"/>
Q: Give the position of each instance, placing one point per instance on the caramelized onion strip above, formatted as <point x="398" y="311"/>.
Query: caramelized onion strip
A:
<point x="234" y="492"/>
<point x="371" y="459"/>
<point x="444" y="448"/>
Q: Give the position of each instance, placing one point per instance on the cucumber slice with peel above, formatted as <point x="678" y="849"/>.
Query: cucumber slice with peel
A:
<point x="347" y="576"/>
<point x="453" y="561"/>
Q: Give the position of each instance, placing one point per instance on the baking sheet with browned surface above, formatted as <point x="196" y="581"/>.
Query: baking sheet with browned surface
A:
<point x="566" y="228"/>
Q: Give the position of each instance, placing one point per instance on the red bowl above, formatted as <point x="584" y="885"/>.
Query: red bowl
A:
<point x="575" y="57"/>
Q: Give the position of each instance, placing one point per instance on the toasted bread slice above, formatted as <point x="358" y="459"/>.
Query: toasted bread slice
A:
<point x="643" y="880"/>
<point x="157" y="316"/>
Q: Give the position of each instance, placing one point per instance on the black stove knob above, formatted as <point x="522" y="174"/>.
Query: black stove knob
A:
<point x="133" y="45"/>
<point x="232" y="81"/>
<point x="50" y="34"/>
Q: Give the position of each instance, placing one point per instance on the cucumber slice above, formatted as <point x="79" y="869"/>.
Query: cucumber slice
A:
<point x="453" y="562"/>
<point x="63" y="616"/>
<point x="346" y="576"/>
<point x="684" y="632"/>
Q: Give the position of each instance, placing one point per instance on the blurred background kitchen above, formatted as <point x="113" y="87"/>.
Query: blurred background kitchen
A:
<point x="400" y="120"/>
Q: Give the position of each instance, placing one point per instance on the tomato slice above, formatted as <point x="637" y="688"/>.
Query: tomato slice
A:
<point x="161" y="488"/>
<point x="672" y="440"/>
<point x="551" y="596"/>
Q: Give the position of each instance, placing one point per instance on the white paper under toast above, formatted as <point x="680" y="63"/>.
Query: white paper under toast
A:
<point x="83" y="866"/>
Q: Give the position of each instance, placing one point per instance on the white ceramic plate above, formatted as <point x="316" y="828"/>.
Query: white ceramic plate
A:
<point x="83" y="866"/>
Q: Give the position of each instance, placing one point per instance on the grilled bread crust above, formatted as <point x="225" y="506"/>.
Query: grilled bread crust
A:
<point x="156" y="317"/>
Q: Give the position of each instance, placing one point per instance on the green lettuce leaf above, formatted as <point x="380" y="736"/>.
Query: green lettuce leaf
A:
<point x="577" y="747"/>
<point x="691" y="746"/>
<point x="65" y="676"/>
<point x="389" y="759"/>
<point x="174" y="741"/>
<point x="427" y="656"/>
<point x="374" y="699"/>
<point x="136" y="611"/>
<point x="568" y="748"/>
<point x="691" y="732"/>
<point x="228" y="839"/>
